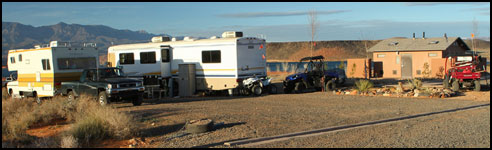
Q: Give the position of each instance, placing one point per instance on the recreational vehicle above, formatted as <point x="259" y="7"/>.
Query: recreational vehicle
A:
<point x="41" y="70"/>
<point x="220" y="63"/>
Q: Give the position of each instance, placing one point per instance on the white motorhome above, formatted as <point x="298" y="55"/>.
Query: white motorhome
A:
<point x="41" y="70"/>
<point x="220" y="63"/>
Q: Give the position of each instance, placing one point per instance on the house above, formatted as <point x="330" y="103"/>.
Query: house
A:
<point x="406" y="58"/>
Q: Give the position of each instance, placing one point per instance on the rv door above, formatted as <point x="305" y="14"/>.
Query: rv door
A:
<point x="166" y="56"/>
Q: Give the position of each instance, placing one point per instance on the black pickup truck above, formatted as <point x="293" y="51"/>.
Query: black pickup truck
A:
<point x="108" y="84"/>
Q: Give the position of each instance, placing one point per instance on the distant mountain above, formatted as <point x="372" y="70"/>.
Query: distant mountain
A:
<point x="17" y="35"/>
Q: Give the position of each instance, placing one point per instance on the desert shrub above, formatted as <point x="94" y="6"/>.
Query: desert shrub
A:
<point x="363" y="85"/>
<point x="69" y="142"/>
<point x="94" y="122"/>
<point x="16" y="119"/>
<point x="414" y="83"/>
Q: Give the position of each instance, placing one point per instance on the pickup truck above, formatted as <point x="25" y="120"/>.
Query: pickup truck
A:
<point x="107" y="84"/>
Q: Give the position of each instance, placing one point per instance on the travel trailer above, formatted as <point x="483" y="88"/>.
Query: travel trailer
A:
<point x="220" y="63"/>
<point x="41" y="70"/>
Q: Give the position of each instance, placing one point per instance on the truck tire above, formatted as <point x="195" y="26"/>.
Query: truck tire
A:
<point x="102" y="98"/>
<point x="299" y="87"/>
<point x="70" y="97"/>
<point x="137" y="101"/>
<point x="455" y="85"/>
<point x="288" y="90"/>
<point x="445" y="82"/>
<point x="330" y="85"/>
<point x="477" y="85"/>
<point x="256" y="90"/>
<point x="199" y="126"/>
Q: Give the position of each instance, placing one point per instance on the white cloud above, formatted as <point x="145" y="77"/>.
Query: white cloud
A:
<point x="442" y="3"/>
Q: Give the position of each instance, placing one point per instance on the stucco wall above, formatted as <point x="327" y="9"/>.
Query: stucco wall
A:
<point x="392" y="61"/>
<point x="358" y="72"/>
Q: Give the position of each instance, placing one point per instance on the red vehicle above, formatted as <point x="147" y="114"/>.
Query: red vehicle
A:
<point x="465" y="71"/>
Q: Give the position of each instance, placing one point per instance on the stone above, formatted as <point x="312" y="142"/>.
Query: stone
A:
<point x="354" y="92"/>
<point x="416" y="95"/>
<point x="347" y="93"/>
<point x="386" y="94"/>
<point x="416" y="91"/>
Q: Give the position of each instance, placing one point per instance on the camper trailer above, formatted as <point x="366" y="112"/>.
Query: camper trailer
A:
<point x="41" y="70"/>
<point x="220" y="63"/>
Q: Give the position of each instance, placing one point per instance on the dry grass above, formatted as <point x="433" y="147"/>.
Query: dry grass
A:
<point x="91" y="122"/>
<point x="69" y="142"/>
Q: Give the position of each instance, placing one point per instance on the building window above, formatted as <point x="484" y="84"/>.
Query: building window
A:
<point x="147" y="58"/>
<point x="76" y="63"/>
<point x="432" y="54"/>
<point x="126" y="58"/>
<point x="165" y="55"/>
<point x="12" y="60"/>
<point x="20" y="57"/>
<point x="394" y="72"/>
<point x="46" y="64"/>
<point x="397" y="60"/>
<point x="211" y="56"/>
<point x="381" y="55"/>
<point x="419" y="72"/>
<point x="251" y="47"/>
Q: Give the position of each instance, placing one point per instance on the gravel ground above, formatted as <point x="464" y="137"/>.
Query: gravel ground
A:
<point x="269" y="115"/>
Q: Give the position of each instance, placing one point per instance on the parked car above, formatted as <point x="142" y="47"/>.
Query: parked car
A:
<point x="107" y="84"/>
<point x="314" y="76"/>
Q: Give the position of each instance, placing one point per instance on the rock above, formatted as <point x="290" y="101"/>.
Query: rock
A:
<point x="416" y="95"/>
<point x="347" y="93"/>
<point x="334" y="92"/>
<point x="386" y="94"/>
<point x="354" y="92"/>
<point x="416" y="91"/>
<point x="424" y="94"/>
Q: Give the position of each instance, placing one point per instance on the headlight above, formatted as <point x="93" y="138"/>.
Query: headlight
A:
<point x="109" y="86"/>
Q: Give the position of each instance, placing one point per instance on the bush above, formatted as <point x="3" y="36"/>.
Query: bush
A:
<point x="363" y="85"/>
<point x="69" y="142"/>
<point x="415" y="83"/>
<point x="94" y="122"/>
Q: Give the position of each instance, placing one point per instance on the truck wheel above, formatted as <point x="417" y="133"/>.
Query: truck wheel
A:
<point x="455" y="85"/>
<point x="137" y="101"/>
<point x="256" y="90"/>
<point x="70" y="97"/>
<point x="445" y="82"/>
<point x="299" y="87"/>
<point x="102" y="98"/>
<point x="477" y="85"/>
<point x="329" y="86"/>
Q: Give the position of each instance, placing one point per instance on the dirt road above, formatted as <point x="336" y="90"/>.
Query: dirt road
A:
<point x="251" y="117"/>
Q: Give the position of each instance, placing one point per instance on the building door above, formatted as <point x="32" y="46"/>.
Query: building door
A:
<point x="406" y="66"/>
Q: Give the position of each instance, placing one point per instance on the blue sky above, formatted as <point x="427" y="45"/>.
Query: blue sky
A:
<point x="278" y="22"/>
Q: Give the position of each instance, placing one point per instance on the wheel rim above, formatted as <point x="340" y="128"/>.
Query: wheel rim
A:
<point x="101" y="100"/>
<point x="257" y="90"/>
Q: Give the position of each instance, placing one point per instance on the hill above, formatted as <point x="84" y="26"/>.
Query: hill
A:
<point x="17" y="35"/>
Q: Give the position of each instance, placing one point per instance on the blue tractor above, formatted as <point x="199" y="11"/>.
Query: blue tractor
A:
<point x="314" y="76"/>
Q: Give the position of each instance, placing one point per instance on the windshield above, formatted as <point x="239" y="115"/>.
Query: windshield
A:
<point x="110" y="73"/>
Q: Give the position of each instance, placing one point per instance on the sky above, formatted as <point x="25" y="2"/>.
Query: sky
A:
<point x="275" y="21"/>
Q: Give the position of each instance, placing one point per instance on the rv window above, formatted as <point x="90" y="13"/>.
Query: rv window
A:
<point x="126" y="58"/>
<point x="147" y="57"/>
<point x="46" y="64"/>
<point x="12" y="60"/>
<point x="165" y="55"/>
<point x="211" y="56"/>
<point x="76" y="63"/>
<point x="20" y="57"/>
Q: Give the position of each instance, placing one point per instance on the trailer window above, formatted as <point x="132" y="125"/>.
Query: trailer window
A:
<point x="76" y="63"/>
<point x="147" y="57"/>
<point x="46" y="64"/>
<point x="211" y="56"/>
<point x="126" y="58"/>
<point x="20" y="57"/>
<point x="165" y="55"/>
<point x="12" y="60"/>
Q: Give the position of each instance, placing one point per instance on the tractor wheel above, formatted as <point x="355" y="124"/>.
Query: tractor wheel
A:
<point x="445" y="82"/>
<point x="329" y="86"/>
<point x="299" y="87"/>
<point x="455" y="85"/>
<point x="477" y="85"/>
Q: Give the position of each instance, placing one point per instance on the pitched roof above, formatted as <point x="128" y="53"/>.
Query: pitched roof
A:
<point x="417" y="44"/>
